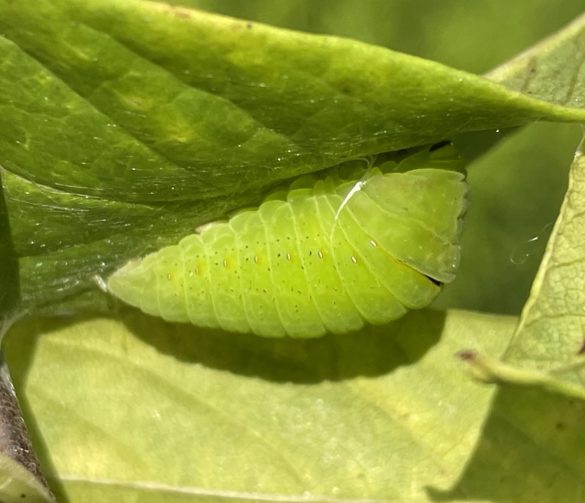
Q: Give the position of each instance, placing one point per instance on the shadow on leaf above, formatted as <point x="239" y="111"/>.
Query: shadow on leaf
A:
<point x="531" y="450"/>
<point x="371" y="352"/>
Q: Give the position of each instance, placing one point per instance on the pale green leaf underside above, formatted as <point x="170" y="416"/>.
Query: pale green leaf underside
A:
<point x="552" y="328"/>
<point x="552" y="70"/>
<point x="382" y="414"/>
<point x="173" y="412"/>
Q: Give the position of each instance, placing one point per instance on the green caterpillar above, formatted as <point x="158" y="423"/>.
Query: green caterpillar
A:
<point x="326" y="256"/>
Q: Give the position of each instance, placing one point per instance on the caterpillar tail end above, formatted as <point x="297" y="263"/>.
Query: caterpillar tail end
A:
<point x="129" y="283"/>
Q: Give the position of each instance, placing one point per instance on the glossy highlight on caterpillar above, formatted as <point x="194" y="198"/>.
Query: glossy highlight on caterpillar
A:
<point x="328" y="255"/>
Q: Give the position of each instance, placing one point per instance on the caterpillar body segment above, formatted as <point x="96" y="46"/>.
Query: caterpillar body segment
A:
<point x="410" y="289"/>
<point x="195" y="268"/>
<point x="325" y="287"/>
<point x="255" y="276"/>
<point x="373" y="302"/>
<point x="327" y="256"/>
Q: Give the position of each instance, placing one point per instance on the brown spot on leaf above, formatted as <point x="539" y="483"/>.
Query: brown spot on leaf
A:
<point x="466" y="355"/>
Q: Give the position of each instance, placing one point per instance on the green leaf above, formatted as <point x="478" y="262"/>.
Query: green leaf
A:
<point x="125" y="125"/>
<point x="550" y="70"/>
<point x="9" y="293"/>
<point x="554" y="314"/>
<point x="547" y="347"/>
<point x="169" y="411"/>
<point x="550" y="334"/>
<point x="530" y="450"/>
<point x="452" y="32"/>
<point x="161" y="411"/>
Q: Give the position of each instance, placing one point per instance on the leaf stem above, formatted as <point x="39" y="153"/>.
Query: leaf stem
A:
<point x="14" y="439"/>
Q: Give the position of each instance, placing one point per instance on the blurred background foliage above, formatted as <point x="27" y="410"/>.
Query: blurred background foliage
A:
<point x="517" y="185"/>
